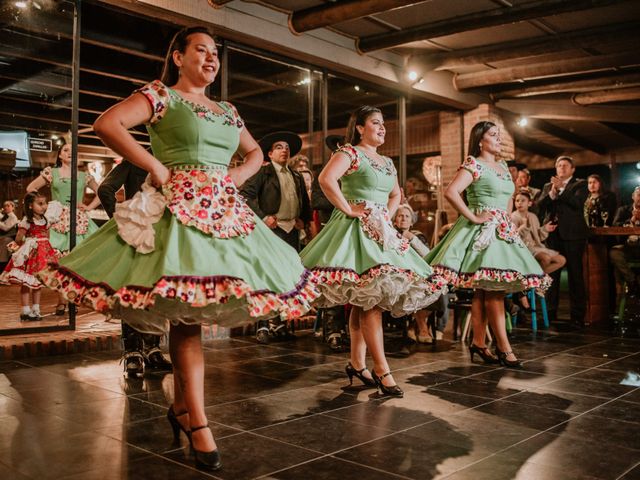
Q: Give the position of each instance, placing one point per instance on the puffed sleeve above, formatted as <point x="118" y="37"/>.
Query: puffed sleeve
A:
<point x="158" y="96"/>
<point x="24" y="224"/>
<point x="354" y="158"/>
<point x="233" y="115"/>
<point x="472" y="166"/>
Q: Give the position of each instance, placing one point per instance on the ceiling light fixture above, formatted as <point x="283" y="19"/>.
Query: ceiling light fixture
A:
<point x="21" y="4"/>
<point x="523" y="122"/>
<point x="412" y="75"/>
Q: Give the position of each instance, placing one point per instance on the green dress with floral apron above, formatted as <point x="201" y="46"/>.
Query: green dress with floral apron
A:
<point x="490" y="256"/>
<point x="59" y="232"/>
<point x="193" y="253"/>
<point x="365" y="261"/>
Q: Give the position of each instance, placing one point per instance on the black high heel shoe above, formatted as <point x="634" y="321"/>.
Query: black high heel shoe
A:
<point x="352" y="372"/>
<point x="176" y="426"/>
<point x="393" y="390"/>
<point x="502" y="357"/>
<point x="484" y="353"/>
<point x="206" y="460"/>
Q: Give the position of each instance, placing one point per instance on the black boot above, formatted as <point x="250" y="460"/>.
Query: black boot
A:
<point x="153" y="358"/>
<point x="262" y="332"/>
<point x="132" y="358"/>
<point x="334" y="324"/>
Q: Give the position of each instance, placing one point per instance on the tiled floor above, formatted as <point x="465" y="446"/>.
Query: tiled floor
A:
<point x="285" y="411"/>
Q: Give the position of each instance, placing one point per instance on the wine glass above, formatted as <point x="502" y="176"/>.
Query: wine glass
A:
<point x="605" y="215"/>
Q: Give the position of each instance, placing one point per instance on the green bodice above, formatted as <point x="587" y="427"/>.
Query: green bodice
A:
<point x="61" y="187"/>
<point x="491" y="187"/>
<point x="365" y="179"/>
<point x="179" y="136"/>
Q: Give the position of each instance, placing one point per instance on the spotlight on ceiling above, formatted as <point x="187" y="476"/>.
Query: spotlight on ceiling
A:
<point x="523" y="122"/>
<point x="412" y="75"/>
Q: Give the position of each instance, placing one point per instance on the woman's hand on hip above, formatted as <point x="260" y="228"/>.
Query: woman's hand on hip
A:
<point x="160" y="175"/>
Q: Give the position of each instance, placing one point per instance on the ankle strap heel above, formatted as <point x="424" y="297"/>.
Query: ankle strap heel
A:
<point x="209" y="461"/>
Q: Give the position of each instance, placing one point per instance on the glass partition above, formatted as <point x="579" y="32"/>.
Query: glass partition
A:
<point x="269" y="94"/>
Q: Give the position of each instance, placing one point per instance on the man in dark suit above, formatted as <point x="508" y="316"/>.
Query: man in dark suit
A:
<point x="140" y="350"/>
<point x="278" y="195"/>
<point x="621" y="255"/>
<point x="562" y="201"/>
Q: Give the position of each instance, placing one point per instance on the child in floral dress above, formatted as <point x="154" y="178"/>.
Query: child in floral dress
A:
<point x="33" y="251"/>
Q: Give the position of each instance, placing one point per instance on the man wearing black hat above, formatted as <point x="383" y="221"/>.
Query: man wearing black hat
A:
<point x="514" y="168"/>
<point x="276" y="193"/>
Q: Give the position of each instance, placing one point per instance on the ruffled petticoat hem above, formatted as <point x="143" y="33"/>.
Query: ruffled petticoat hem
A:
<point x="494" y="279"/>
<point x="16" y="276"/>
<point x="224" y="300"/>
<point x="396" y="290"/>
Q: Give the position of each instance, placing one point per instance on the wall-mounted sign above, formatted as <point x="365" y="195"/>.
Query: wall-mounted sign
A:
<point x="40" y="144"/>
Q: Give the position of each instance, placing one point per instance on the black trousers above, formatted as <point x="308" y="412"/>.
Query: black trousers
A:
<point x="134" y="340"/>
<point x="573" y="251"/>
<point x="292" y="238"/>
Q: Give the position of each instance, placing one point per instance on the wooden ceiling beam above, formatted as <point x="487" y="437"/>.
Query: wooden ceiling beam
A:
<point x="574" y="66"/>
<point x="622" y="80"/>
<point x="632" y="132"/>
<point x="555" y="131"/>
<point x="580" y="39"/>
<point x="219" y="3"/>
<point x="325" y="15"/>
<point x="477" y="20"/>
<point x="534" y="146"/>
<point x="564" y="110"/>
<point x="607" y="96"/>
<point x="567" y="136"/>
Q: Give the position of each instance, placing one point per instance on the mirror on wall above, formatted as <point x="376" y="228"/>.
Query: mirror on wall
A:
<point x="36" y="74"/>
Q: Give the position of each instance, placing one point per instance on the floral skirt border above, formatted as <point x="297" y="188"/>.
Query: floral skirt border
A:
<point x="193" y="291"/>
<point x="495" y="279"/>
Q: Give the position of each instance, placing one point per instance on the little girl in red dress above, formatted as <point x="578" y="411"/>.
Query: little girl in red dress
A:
<point x="32" y="253"/>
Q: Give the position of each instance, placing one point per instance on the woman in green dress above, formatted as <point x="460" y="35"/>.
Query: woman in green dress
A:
<point x="191" y="252"/>
<point x="483" y="250"/>
<point x="59" y="178"/>
<point x="359" y="257"/>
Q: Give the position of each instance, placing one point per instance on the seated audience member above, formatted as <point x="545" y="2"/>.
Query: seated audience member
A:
<point x="403" y="221"/>
<point x="533" y="234"/>
<point x="523" y="179"/>
<point x="8" y="230"/>
<point x="621" y="255"/>
<point x="600" y="205"/>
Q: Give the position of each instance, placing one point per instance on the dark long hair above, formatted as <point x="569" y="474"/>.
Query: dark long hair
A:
<point x="603" y="186"/>
<point x="179" y="42"/>
<point x="477" y="132"/>
<point x="58" y="161"/>
<point x="27" y="204"/>
<point x="359" y="117"/>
